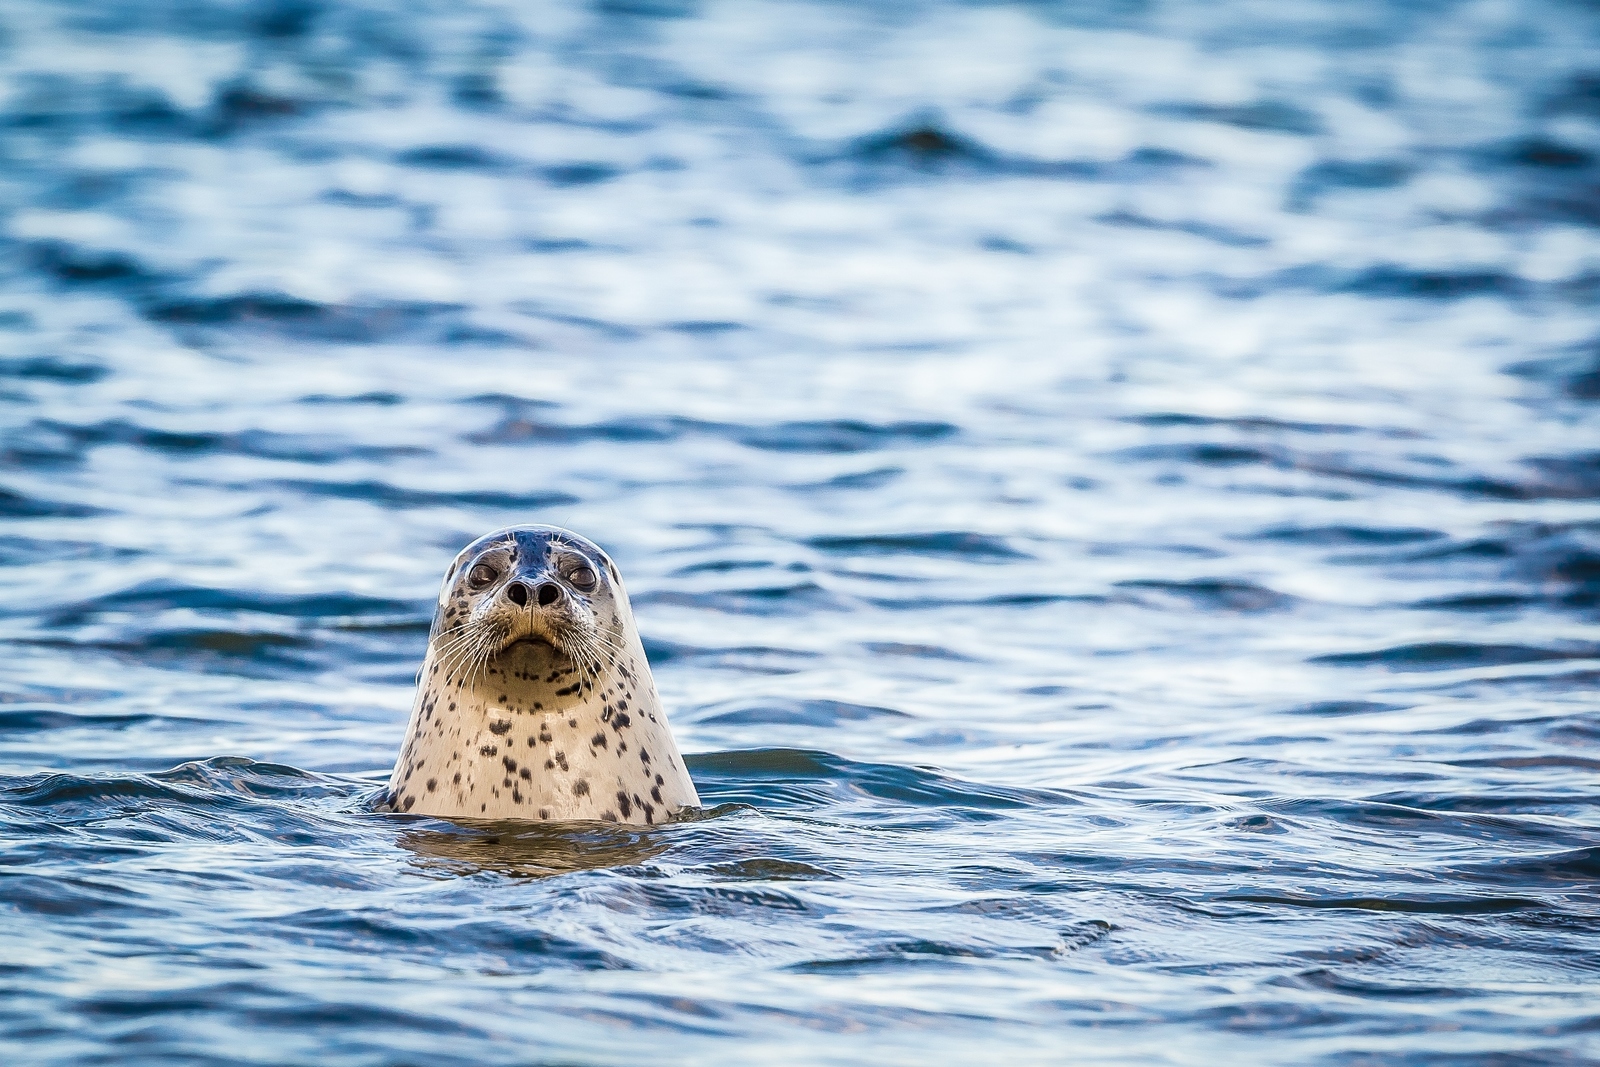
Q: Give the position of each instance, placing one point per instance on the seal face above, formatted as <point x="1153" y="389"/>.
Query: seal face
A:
<point x="535" y="700"/>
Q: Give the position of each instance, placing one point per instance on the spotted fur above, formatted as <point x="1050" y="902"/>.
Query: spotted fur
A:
<point x="535" y="700"/>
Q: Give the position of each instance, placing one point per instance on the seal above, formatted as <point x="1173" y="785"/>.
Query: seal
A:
<point x="535" y="700"/>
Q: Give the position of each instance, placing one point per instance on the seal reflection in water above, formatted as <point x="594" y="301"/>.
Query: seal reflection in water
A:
<point x="535" y="700"/>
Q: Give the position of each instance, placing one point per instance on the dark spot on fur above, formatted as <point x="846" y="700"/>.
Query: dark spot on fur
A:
<point x="580" y="788"/>
<point x="457" y="779"/>
<point x="510" y="764"/>
<point x="655" y="794"/>
<point x="660" y="780"/>
<point x="608" y="816"/>
<point x="624" y="803"/>
<point x="433" y="783"/>
<point x="549" y="764"/>
<point x="489" y="750"/>
<point x="644" y="755"/>
<point x="524" y="775"/>
<point x="498" y="728"/>
<point x="544" y="813"/>
<point x="598" y="740"/>
<point x="408" y="802"/>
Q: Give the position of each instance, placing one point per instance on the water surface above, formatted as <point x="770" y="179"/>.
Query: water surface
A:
<point x="1110" y="491"/>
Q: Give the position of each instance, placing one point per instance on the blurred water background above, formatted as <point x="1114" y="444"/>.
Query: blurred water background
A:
<point x="1109" y="491"/>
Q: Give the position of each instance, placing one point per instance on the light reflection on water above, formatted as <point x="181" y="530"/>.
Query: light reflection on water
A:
<point x="1109" y="495"/>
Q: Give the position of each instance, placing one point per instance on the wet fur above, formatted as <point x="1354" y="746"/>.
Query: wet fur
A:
<point x="537" y="712"/>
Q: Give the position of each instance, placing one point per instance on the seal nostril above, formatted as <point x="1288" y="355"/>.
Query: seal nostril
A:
<point x="517" y="593"/>
<point x="549" y="593"/>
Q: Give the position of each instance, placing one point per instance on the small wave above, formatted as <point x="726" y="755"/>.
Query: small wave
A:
<point x="1213" y="594"/>
<point x="912" y="651"/>
<point x="840" y="435"/>
<point x="1329" y="176"/>
<point x="1442" y="905"/>
<point x="295" y="318"/>
<point x="161" y="595"/>
<point x="222" y="782"/>
<point x="1575" y="373"/>
<point x="23" y="551"/>
<point x="453" y="157"/>
<point x="1563" y="477"/>
<point x="757" y="659"/>
<point x="43" y="718"/>
<point x="1222" y="235"/>
<point x="74" y="441"/>
<point x="16" y="505"/>
<point x="76" y="265"/>
<point x="1348" y="535"/>
<point x="53" y="369"/>
<point x="786" y="777"/>
<point x="1343" y="707"/>
<point x="1454" y="655"/>
<point x="873" y="479"/>
<point x="793" y="599"/>
<point x="956" y="543"/>
<point x="388" y="495"/>
<point x="1271" y="116"/>
<point x="792" y="713"/>
<point x="1568" y="867"/>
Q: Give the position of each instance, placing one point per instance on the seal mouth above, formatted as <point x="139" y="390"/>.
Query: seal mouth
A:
<point x="530" y="641"/>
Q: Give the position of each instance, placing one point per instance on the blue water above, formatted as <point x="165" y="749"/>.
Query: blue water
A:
<point x="1110" y="490"/>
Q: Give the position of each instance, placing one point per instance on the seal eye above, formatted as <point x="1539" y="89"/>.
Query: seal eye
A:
<point x="481" y="575"/>
<point x="582" y="578"/>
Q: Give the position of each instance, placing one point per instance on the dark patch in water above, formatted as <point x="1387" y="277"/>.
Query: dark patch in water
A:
<point x="83" y="266"/>
<point x="1329" y="175"/>
<point x="451" y="157"/>
<point x="1343" y="707"/>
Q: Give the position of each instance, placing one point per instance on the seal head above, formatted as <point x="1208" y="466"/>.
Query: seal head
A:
<point x="535" y="700"/>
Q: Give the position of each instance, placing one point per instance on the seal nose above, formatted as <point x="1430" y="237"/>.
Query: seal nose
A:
<point x="549" y="593"/>
<point x="517" y="593"/>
